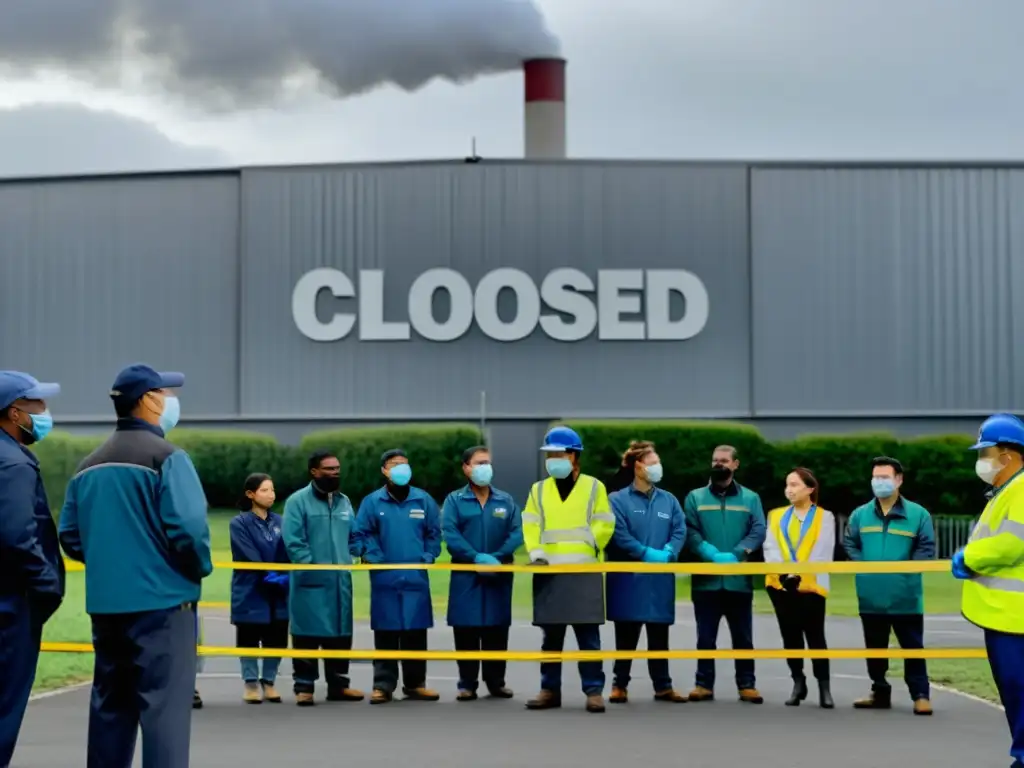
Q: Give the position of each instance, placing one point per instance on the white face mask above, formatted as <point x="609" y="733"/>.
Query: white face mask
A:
<point x="987" y="469"/>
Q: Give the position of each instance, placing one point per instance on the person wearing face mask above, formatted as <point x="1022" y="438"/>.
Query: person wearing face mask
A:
<point x="991" y="566"/>
<point x="803" y="532"/>
<point x="649" y="528"/>
<point x="135" y="514"/>
<point x="724" y="524"/>
<point x="481" y="525"/>
<point x="31" y="567"/>
<point x="399" y="523"/>
<point x="567" y="520"/>
<point x="317" y="530"/>
<point x="891" y="528"/>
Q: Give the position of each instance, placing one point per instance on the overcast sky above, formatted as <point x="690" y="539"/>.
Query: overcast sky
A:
<point x="748" y="79"/>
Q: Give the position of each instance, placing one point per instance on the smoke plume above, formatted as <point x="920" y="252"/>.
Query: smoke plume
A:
<point x="246" y="53"/>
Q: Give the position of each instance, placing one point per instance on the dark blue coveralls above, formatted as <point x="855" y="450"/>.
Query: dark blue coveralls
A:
<point x="31" y="583"/>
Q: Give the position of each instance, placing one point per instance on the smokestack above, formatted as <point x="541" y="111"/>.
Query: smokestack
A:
<point x="544" y="124"/>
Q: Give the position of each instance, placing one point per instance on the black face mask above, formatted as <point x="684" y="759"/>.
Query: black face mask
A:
<point x="721" y="475"/>
<point x="327" y="483"/>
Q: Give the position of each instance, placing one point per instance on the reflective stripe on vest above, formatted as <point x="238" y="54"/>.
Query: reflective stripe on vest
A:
<point x="577" y="535"/>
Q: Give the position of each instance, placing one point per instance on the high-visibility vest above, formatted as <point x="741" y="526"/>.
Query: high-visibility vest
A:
<point x="576" y="530"/>
<point x="817" y="546"/>
<point x="994" y="599"/>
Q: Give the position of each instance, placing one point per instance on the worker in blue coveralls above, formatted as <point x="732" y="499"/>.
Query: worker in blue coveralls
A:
<point x="317" y="530"/>
<point x="481" y="525"/>
<point x="135" y="515"/>
<point x="649" y="528"/>
<point x="31" y="568"/>
<point x="399" y="523"/>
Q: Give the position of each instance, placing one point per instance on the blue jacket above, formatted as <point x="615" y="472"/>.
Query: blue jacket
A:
<point x="31" y="567"/>
<point x="496" y="528"/>
<point x="135" y="514"/>
<point x="393" y="531"/>
<point x="253" y="540"/>
<point x="317" y="530"/>
<point x="644" y="520"/>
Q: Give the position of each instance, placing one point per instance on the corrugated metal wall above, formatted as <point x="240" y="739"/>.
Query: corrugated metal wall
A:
<point x="833" y="291"/>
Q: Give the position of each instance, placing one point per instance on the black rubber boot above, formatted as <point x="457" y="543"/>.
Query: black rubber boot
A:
<point x="825" y="695"/>
<point x="799" y="692"/>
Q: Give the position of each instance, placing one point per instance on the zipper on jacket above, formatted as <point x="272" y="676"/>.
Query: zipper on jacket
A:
<point x="334" y="552"/>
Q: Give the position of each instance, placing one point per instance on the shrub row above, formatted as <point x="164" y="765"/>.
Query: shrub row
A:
<point x="939" y="470"/>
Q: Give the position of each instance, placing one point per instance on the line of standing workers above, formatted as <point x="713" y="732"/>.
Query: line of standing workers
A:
<point x="135" y="514"/>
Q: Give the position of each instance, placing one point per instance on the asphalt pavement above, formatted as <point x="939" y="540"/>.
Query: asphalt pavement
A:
<point x="503" y="734"/>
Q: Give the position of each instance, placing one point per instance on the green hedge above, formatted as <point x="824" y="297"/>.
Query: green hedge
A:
<point x="939" y="470"/>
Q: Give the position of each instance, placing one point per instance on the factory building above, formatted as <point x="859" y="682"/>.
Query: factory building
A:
<point x="798" y="297"/>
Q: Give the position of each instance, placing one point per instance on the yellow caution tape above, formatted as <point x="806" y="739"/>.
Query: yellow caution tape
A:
<point x="702" y="569"/>
<point x="539" y="656"/>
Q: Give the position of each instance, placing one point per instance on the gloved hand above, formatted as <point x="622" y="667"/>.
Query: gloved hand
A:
<point x="428" y="558"/>
<point x="724" y="557"/>
<point x="791" y="582"/>
<point x="483" y="559"/>
<point x="960" y="569"/>
<point x="668" y="548"/>
<point x="707" y="551"/>
<point x="655" y="555"/>
<point x="538" y="561"/>
<point x="276" y="579"/>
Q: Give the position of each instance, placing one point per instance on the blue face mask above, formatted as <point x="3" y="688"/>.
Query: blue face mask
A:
<point x="172" y="412"/>
<point x="883" y="487"/>
<point x="481" y="475"/>
<point x="558" y="468"/>
<point x="42" y="423"/>
<point x="400" y="474"/>
<point x="654" y="474"/>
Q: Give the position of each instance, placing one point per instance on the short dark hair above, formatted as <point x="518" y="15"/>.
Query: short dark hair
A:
<point x="124" y="407"/>
<point x="316" y="458"/>
<point x="469" y="453"/>
<point x="887" y="461"/>
<point x="393" y="453"/>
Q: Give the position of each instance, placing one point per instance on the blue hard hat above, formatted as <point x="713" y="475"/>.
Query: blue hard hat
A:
<point x="1000" y="429"/>
<point x="562" y="439"/>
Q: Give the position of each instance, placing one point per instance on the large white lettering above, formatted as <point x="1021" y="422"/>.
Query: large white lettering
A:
<point x="623" y="305"/>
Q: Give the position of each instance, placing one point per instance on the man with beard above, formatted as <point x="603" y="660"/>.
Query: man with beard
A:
<point x="724" y="524"/>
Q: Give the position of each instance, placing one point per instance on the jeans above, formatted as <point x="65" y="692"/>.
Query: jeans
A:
<point x="909" y="631"/>
<point x="801" y="617"/>
<point x="588" y="638"/>
<point x="627" y="637"/>
<point x="481" y="639"/>
<point x="272" y="635"/>
<point x="737" y="608"/>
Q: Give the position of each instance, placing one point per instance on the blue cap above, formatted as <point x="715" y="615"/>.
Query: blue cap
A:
<point x="136" y="380"/>
<point x="15" y="385"/>
<point x="1000" y="429"/>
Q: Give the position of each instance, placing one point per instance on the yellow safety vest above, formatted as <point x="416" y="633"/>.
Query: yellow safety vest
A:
<point x="994" y="599"/>
<point x="572" y="531"/>
<point x="808" y="581"/>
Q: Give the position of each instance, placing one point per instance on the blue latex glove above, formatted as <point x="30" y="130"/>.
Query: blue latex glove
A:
<point x="668" y="548"/>
<point x="960" y="569"/>
<point x="655" y="555"/>
<point x="724" y="557"/>
<point x="483" y="559"/>
<point x="276" y="579"/>
<point x="707" y="551"/>
<point x="428" y="559"/>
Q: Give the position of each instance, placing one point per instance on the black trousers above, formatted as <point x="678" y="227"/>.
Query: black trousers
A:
<point x="627" y="637"/>
<point x="801" y="617"/>
<point x="305" y="672"/>
<point x="909" y="631"/>
<point x="481" y="639"/>
<point x="414" y="672"/>
<point x="145" y="674"/>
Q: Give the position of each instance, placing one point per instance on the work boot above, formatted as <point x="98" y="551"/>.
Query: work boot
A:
<point x="252" y="694"/>
<point x="304" y="699"/>
<point x="380" y="697"/>
<point x="922" y="706"/>
<point x="751" y="696"/>
<point x="595" y="703"/>
<point x="875" y="700"/>
<point x="825" y="695"/>
<point x="197" y="700"/>
<point x="545" y="700"/>
<point x="344" y="694"/>
<point x="619" y="695"/>
<point x="500" y="692"/>
<point x="670" y="694"/>
<point x="465" y="695"/>
<point x="270" y="693"/>
<point x="799" y="692"/>
<point x="420" y="694"/>
<point x="700" y="693"/>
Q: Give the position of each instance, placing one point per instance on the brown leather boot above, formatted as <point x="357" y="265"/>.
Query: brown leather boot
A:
<point x="197" y="700"/>
<point x="270" y="693"/>
<point x="252" y="694"/>
<point x="701" y="694"/>
<point x="500" y="693"/>
<point x="874" y="701"/>
<point x="380" y="697"/>
<point x="619" y="695"/>
<point x="671" y="695"/>
<point x="420" y="694"/>
<point x="304" y="699"/>
<point x="345" y="694"/>
<point x="595" y="703"/>
<point x="922" y="707"/>
<point x="545" y="700"/>
<point x="464" y="695"/>
<point x="751" y="696"/>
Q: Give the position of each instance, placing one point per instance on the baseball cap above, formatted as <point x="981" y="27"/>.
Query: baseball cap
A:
<point x="136" y="380"/>
<point x="15" y="385"/>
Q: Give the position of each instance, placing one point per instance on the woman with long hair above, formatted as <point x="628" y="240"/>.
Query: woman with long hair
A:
<point x="803" y="532"/>
<point x="259" y="599"/>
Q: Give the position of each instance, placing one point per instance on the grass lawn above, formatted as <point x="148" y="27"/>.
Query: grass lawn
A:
<point x="71" y="624"/>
